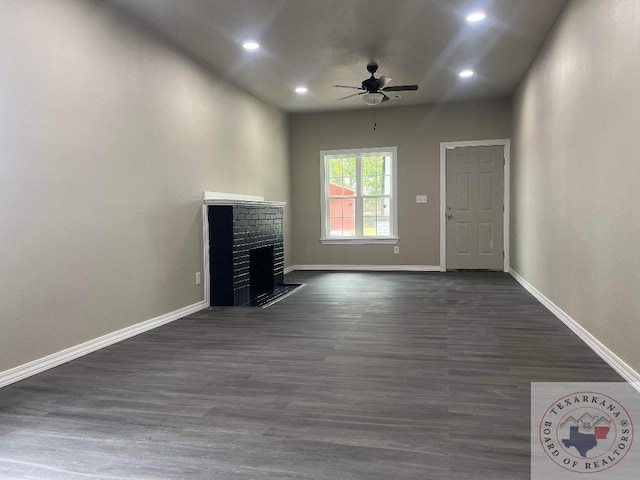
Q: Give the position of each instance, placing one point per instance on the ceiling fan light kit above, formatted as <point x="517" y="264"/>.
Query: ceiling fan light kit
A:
<point x="373" y="98"/>
<point x="376" y="90"/>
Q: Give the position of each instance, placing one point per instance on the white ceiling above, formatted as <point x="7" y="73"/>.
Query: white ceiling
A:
<point x="320" y="43"/>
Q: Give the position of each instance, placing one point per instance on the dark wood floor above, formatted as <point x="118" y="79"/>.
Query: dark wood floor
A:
<point x="356" y="376"/>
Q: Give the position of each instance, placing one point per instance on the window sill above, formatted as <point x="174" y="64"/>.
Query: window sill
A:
<point x="360" y="241"/>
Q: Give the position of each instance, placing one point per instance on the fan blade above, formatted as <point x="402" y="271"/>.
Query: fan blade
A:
<point x="384" y="80"/>
<point x="379" y="83"/>
<point x="349" y="96"/>
<point x="384" y="98"/>
<point x="400" y="88"/>
<point x="348" y="86"/>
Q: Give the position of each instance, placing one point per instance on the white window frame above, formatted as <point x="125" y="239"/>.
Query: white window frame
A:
<point x="324" y="197"/>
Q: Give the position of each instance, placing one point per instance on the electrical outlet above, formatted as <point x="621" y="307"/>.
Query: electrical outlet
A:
<point x="198" y="278"/>
<point x="421" y="199"/>
<point x="396" y="250"/>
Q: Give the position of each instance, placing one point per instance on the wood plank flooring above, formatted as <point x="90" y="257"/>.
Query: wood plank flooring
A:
<point x="356" y="376"/>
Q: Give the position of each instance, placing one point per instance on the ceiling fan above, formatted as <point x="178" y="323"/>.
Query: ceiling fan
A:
<point x="375" y="90"/>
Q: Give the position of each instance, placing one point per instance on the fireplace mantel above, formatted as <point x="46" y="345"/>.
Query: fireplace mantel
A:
<point x="218" y="198"/>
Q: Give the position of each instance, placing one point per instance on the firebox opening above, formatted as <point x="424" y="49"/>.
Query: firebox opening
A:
<point x="261" y="271"/>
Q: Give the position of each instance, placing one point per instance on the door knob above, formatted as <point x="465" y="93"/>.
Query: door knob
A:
<point x="449" y="215"/>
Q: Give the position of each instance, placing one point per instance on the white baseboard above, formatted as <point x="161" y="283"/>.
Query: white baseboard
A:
<point x="289" y="269"/>
<point x="615" y="362"/>
<point x="372" y="268"/>
<point x="40" y="365"/>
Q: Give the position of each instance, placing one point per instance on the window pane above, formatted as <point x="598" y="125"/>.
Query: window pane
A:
<point x="335" y="227"/>
<point x="370" y="186"/>
<point x="335" y="167"/>
<point x="369" y="227"/>
<point x="386" y="185"/>
<point x="369" y="166"/>
<point x="339" y="187"/>
<point x="349" y="173"/>
<point x="342" y="173"/>
<point x="350" y="184"/>
<point x="349" y="227"/>
<point x="383" y="226"/>
<point x="335" y="187"/>
<point x="349" y="167"/>
<point x="383" y="207"/>
<point x="383" y="172"/>
<point x="335" y="208"/>
<point x="376" y="220"/>
<point x="385" y="165"/>
<point x="341" y="217"/>
<point x="369" y="207"/>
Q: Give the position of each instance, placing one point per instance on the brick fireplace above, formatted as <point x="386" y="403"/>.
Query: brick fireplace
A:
<point x="246" y="249"/>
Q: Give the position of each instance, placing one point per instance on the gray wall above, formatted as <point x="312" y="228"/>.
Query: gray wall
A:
<point x="575" y="224"/>
<point x="417" y="132"/>
<point x="108" y="136"/>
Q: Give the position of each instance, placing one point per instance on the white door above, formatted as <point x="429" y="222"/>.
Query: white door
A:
<point x="475" y="208"/>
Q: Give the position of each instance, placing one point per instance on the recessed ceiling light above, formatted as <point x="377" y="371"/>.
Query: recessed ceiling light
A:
<point x="476" y="16"/>
<point x="251" y="45"/>
<point x="466" y="73"/>
<point x="301" y="90"/>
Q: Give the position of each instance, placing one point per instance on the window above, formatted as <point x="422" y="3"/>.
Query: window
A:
<point x="359" y="196"/>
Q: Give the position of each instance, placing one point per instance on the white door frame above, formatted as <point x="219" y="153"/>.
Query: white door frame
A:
<point x="444" y="146"/>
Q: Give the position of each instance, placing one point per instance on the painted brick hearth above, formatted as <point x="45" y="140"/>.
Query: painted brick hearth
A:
<point x="234" y="231"/>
